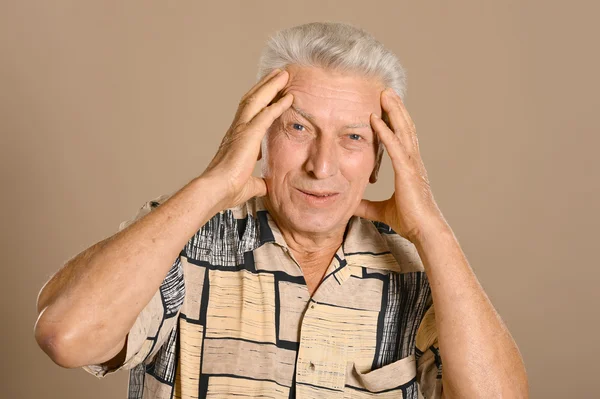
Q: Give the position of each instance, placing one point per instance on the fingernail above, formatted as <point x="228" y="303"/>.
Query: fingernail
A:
<point x="376" y="116"/>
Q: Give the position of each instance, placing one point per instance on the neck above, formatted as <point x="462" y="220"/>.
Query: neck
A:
<point x="311" y="250"/>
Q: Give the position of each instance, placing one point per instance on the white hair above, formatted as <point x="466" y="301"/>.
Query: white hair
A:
<point x="333" y="45"/>
<point x="338" y="46"/>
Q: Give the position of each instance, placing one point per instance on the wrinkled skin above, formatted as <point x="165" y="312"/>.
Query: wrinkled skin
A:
<point x="321" y="154"/>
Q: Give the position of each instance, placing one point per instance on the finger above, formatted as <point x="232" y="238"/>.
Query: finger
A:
<point x="261" y="82"/>
<point x="390" y="140"/>
<point x="262" y="97"/>
<point x="268" y="77"/>
<point x="371" y="210"/>
<point x="267" y="116"/>
<point x="258" y="186"/>
<point x="393" y="109"/>
<point x="400" y="121"/>
<point x="402" y="107"/>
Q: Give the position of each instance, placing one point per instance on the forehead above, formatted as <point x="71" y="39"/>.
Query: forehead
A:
<point x="328" y="94"/>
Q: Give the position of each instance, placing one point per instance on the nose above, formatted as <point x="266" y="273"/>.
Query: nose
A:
<point x="322" y="161"/>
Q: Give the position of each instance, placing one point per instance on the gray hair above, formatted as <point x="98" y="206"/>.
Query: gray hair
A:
<point x="338" y="46"/>
<point x="333" y="45"/>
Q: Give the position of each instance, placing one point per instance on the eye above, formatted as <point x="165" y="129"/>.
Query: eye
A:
<point x="355" y="137"/>
<point x="297" y="126"/>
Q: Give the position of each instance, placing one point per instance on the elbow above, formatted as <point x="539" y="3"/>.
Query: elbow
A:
<point x="55" y="344"/>
<point x="524" y="386"/>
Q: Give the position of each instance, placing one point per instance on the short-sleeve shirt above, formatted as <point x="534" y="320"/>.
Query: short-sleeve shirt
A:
<point x="233" y="318"/>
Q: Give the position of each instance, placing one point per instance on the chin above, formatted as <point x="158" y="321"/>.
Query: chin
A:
<point x="305" y="217"/>
<point x="312" y="226"/>
<point x="315" y="222"/>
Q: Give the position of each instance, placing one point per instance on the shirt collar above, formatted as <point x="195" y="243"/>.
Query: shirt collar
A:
<point x="268" y="231"/>
<point x="364" y="243"/>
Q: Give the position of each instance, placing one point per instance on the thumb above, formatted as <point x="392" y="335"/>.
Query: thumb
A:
<point x="258" y="187"/>
<point x="372" y="210"/>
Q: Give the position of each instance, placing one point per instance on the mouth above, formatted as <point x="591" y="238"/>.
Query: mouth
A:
<point x="319" y="197"/>
<point x="318" y="194"/>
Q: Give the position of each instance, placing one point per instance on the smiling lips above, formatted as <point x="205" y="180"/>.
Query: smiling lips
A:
<point x="318" y="194"/>
<point x="319" y="198"/>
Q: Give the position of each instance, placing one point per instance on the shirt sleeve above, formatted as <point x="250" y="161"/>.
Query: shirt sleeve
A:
<point x="157" y="319"/>
<point x="429" y="361"/>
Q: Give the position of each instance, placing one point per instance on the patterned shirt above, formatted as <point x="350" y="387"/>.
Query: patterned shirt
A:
<point x="233" y="318"/>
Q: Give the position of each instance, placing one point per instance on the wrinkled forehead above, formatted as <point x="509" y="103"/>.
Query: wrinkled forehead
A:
<point x="327" y="93"/>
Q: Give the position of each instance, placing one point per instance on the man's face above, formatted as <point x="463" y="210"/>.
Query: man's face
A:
<point x="318" y="156"/>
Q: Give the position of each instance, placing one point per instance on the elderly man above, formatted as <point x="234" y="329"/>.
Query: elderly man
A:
<point x="291" y="284"/>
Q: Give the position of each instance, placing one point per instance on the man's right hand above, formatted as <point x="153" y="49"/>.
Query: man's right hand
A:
<point x="87" y="309"/>
<point x="240" y="149"/>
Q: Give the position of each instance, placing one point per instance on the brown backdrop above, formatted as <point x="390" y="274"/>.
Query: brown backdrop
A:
<point x="104" y="105"/>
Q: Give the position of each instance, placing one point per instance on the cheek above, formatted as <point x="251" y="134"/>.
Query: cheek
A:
<point x="283" y="154"/>
<point x="358" y="166"/>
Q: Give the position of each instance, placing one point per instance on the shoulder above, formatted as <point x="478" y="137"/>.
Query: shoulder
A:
<point x="376" y="245"/>
<point x="227" y="236"/>
<point x="146" y="208"/>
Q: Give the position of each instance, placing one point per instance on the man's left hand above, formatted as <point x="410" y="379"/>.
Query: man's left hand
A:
<point x="411" y="209"/>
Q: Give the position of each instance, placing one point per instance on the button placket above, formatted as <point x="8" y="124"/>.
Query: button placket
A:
<point x="320" y="360"/>
<point x="309" y="364"/>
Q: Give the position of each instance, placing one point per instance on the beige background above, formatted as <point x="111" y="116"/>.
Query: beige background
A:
<point x="104" y="105"/>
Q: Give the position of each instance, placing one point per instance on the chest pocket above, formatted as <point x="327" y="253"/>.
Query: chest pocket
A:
<point x="397" y="379"/>
<point x="393" y="373"/>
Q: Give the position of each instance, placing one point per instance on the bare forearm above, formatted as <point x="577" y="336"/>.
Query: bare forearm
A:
<point x="480" y="358"/>
<point x="91" y="303"/>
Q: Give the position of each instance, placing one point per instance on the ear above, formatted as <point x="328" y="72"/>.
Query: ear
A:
<point x="262" y="146"/>
<point x="375" y="173"/>
<point x="380" y="150"/>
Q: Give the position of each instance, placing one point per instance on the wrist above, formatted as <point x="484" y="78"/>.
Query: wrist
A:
<point x="214" y="188"/>
<point x="430" y="230"/>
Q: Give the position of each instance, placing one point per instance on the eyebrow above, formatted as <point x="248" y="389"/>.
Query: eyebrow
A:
<point x="311" y="119"/>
